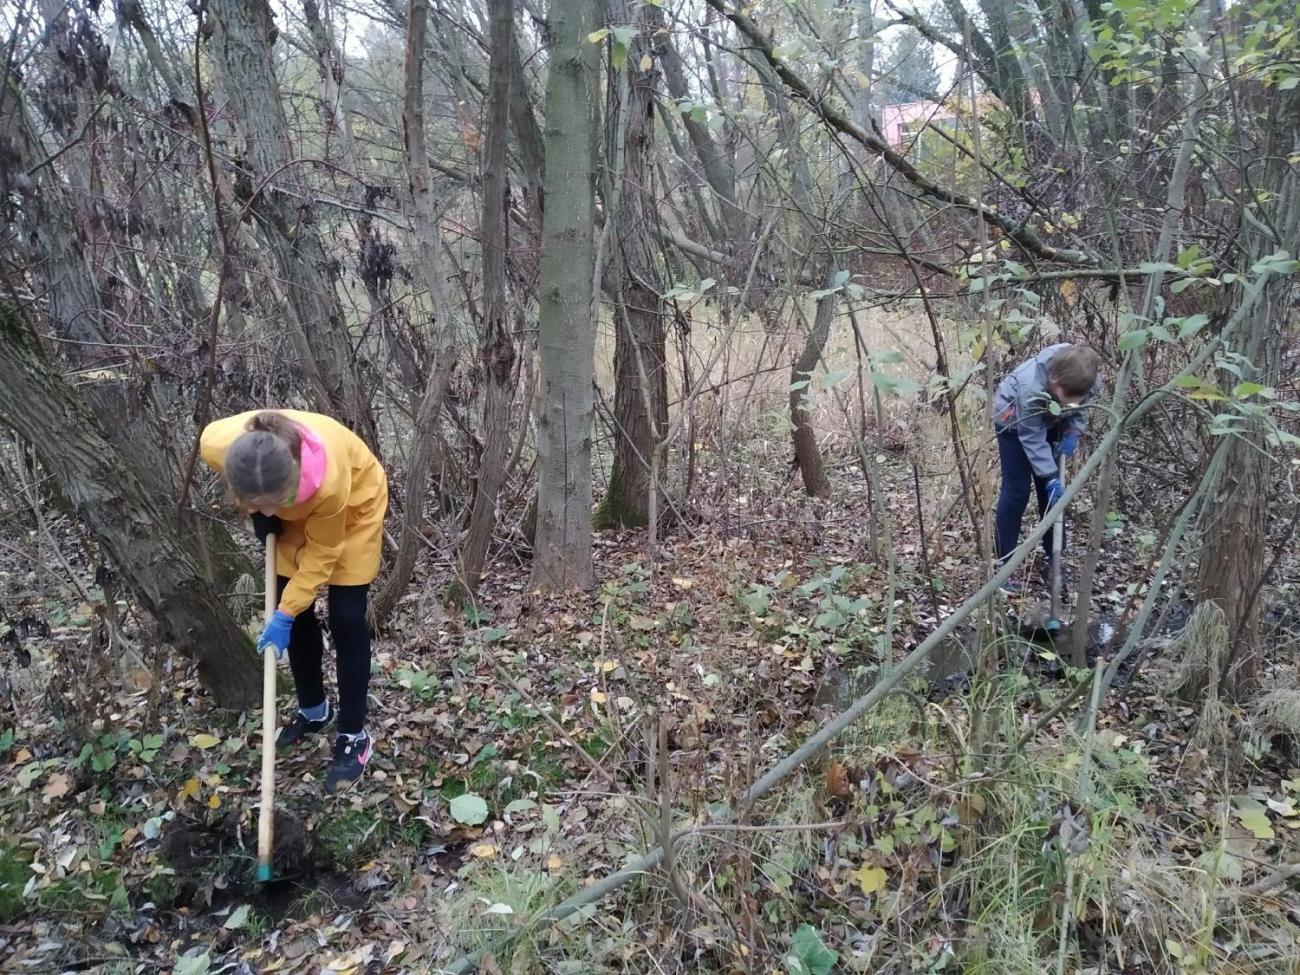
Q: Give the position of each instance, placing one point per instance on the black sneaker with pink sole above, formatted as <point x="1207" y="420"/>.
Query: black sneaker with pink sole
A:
<point x="349" y="762"/>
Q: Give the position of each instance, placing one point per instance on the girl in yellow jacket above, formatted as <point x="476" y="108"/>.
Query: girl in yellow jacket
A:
<point x="316" y="486"/>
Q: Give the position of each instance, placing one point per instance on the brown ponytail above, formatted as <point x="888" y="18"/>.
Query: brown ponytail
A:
<point x="263" y="462"/>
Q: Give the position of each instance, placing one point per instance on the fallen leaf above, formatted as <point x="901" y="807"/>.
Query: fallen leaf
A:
<point x="469" y="809"/>
<point x="193" y="964"/>
<point x="1254" y="817"/>
<point x="57" y="787"/>
<point x="238" y="918"/>
<point x="1287" y="808"/>
<point x="500" y="908"/>
<point x="190" y="790"/>
<point x="214" y="801"/>
<point x="870" y="878"/>
<point x="394" y="951"/>
<point x="837" y="781"/>
<point x="484" y="851"/>
<point x="205" y="741"/>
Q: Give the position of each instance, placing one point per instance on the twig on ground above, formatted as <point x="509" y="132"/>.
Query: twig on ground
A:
<point x="591" y="761"/>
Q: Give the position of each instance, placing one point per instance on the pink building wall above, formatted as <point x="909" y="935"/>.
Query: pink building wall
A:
<point x="893" y="118"/>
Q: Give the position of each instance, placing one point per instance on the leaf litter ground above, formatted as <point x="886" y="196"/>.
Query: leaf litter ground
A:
<point x="518" y="759"/>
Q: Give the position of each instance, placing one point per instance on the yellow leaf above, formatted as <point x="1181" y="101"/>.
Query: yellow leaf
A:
<point x="484" y="851"/>
<point x="606" y="666"/>
<point x="205" y="741"/>
<point x="870" y="878"/>
<point x="681" y="583"/>
<point x="22" y="755"/>
<point x="1070" y="292"/>
<point x="214" y="801"/>
<point x="190" y="790"/>
<point x="646" y="62"/>
<point x="554" y="863"/>
<point x="598" y="697"/>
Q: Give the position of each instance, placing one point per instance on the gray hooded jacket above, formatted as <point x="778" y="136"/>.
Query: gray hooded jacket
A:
<point x="1023" y="404"/>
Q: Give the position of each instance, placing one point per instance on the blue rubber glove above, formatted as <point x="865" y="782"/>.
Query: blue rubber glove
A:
<point x="1054" y="492"/>
<point x="1069" y="444"/>
<point x="276" y="634"/>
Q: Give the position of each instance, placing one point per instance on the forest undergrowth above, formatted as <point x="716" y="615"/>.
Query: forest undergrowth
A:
<point x="529" y="746"/>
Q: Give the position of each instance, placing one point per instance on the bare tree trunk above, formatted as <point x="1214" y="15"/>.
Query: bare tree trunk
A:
<point x="1235" y="534"/>
<point x="634" y="283"/>
<point x="140" y="540"/>
<point x="376" y="263"/>
<point x="47" y="216"/>
<point x="807" y="454"/>
<point x="432" y="274"/>
<point x="497" y="349"/>
<point x="529" y="136"/>
<point x="736" y="230"/>
<point x="242" y="48"/>
<point x="330" y="66"/>
<point x="567" y="336"/>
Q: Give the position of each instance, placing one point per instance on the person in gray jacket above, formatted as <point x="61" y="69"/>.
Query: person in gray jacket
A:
<point x="1038" y="418"/>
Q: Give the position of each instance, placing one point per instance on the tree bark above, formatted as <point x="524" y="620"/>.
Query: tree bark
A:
<point x="567" y="335"/>
<point x="1235" y="535"/>
<point x="807" y="453"/>
<point x="47" y="215"/>
<point x="40" y="406"/>
<point x="713" y="161"/>
<point x="242" y="49"/>
<point x="433" y="276"/>
<point x="532" y="151"/>
<point x="497" y="348"/>
<point x="634" y="283"/>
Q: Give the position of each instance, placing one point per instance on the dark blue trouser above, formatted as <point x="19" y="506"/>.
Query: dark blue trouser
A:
<point x="1017" y="477"/>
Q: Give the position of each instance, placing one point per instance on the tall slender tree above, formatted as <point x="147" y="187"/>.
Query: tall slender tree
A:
<point x="566" y="329"/>
<point x="633" y="283"/>
<point x="497" y="355"/>
<point x="242" y="47"/>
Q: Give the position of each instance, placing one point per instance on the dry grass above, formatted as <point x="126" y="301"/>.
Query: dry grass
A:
<point x="1201" y="650"/>
<point x="1275" y="715"/>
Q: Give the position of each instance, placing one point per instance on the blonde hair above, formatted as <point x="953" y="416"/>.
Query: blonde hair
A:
<point x="263" y="461"/>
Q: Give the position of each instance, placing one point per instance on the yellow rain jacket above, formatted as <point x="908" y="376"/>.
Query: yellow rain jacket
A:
<point x="334" y="536"/>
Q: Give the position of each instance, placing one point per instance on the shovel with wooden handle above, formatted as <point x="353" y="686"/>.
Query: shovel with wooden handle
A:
<point x="266" y="816"/>
<point x="1054" y="625"/>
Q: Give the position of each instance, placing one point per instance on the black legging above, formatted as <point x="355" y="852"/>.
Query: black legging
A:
<point x="351" y="637"/>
